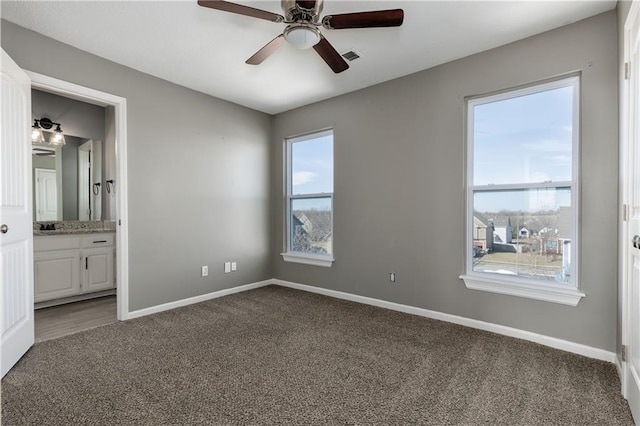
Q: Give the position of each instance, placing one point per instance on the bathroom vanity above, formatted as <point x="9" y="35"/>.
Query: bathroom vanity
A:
<point x="73" y="264"/>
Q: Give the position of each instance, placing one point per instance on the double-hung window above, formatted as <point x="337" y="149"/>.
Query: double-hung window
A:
<point x="309" y="200"/>
<point x="522" y="192"/>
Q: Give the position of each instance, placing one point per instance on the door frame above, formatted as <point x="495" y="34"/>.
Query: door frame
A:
<point x="96" y="97"/>
<point x="627" y="121"/>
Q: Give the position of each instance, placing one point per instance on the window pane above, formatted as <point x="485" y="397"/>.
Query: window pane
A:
<point x="311" y="226"/>
<point x="523" y="232"/>
<point x="527" y="139"/>
<point x="312" y="166"/>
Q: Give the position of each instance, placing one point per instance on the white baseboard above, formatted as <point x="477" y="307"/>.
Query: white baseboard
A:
<point x="618" y="363"/>
<point x="196" y="299"/>
<point x="552" y="342"/>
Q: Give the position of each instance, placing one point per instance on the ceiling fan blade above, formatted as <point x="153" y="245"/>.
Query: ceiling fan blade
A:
<point x="266" y="51"/>
<point x="241" y="10"/>
<point x="335" y="61"/>
<point x="378" y="18"/>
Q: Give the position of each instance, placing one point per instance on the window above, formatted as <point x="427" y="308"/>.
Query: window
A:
<point x="310" y="199"/>
<point x="522" y="192"/>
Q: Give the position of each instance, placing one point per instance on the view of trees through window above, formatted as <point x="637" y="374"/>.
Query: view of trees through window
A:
<point x="522" y="182"/>
<point x="527" y="244"/>
<point x="311" y="230"/>
<point x="310" y="194"/>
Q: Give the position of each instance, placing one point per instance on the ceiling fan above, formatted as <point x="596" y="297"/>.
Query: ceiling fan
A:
<point x="303" y="22"/>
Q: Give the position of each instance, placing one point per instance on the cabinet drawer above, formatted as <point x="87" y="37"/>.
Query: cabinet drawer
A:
<point x="58" y="242"/>
<point x="97" y="240"/>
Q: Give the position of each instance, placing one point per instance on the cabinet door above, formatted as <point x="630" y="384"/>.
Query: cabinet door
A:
<point x="97" y="269"/>
<point x="56" y="274"/>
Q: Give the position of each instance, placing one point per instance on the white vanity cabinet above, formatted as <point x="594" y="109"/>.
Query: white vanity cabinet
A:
<point x="72" y="265"/>
<point x="97" y="253"/>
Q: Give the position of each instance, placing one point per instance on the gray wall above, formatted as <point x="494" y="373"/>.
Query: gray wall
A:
<point x="43" y="163"/>
<point x="197" y="168"/>
<point x="622" y="9"/>
<point x="399" y="184"/>
<point x="76" y="118"/>
<point x="199" y="187"/>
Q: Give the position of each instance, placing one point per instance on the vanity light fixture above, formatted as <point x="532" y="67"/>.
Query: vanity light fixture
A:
<point x="36" y="133"/>
<point x="57" y="137"/>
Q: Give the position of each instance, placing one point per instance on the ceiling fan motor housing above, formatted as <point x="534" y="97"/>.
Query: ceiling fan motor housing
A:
<point x="308" y="11"/>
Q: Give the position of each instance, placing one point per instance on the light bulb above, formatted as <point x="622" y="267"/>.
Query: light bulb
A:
<point x="57" y="139"/>
<point x="36" y="134"/>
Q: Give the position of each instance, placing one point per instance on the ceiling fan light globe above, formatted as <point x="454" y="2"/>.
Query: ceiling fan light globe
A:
<point x="302" y="36"/>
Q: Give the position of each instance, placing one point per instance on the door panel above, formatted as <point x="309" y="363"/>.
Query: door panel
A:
<point x="631" y="235"/>
<point x="98" y="273"/>
<point x="57" y="274"/>
<point x="16" y="243"/>
<point x="46" y="195"/>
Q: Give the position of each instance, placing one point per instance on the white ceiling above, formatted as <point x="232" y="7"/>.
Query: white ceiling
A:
<point x="205" y="49"/>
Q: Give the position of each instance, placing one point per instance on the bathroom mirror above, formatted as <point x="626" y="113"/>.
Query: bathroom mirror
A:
<point x="67" y="181"/>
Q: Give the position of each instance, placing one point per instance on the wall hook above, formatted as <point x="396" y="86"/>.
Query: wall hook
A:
<point x="110" y="185"/>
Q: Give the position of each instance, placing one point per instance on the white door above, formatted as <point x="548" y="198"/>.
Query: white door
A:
<point x="16" y="215"/>
<point x="631" y="234"/>
<point x="46" y="195"/>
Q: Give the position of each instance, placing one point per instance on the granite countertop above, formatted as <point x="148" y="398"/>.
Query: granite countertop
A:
<point x="73" y="227"/>
<point x="38" y="233"/>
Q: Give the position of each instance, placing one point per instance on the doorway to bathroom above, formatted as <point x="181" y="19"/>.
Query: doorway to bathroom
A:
<point x="90" y="239"/>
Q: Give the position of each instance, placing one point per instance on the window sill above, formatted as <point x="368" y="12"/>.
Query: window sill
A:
<point x="325" y="261"/>
<point x="539" y="291"/>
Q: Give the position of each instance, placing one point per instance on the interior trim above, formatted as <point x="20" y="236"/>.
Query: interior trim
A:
<point x="196" y="299"/>
<point x="96" y="97"/>
<point x="538" y="291"/>
<point x="325" y="261"/>
<point x="553" y="342"/>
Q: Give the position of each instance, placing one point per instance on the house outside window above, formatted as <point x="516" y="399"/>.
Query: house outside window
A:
<point x="522" y="192"/>
<point x="309" y="200"/>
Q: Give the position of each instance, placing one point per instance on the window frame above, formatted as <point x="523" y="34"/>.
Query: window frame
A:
<point x="293" y="256"/>
<point x="565" y="293"/>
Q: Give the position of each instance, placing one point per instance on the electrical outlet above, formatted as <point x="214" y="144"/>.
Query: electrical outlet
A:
<point x="234" y="266"/>
<point x="227" y="267"/>
<point x="205" y="271"/>
<point x="392" y="277"/>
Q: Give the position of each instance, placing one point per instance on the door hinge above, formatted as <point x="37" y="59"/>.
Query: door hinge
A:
<point x="627" y="70"/>
<point x="625" y="212"/>
<point x="623" y="353"/>
<point x="119" y="222"/>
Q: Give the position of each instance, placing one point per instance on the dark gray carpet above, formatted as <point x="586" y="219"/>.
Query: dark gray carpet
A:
<point x="280" y="356"/>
